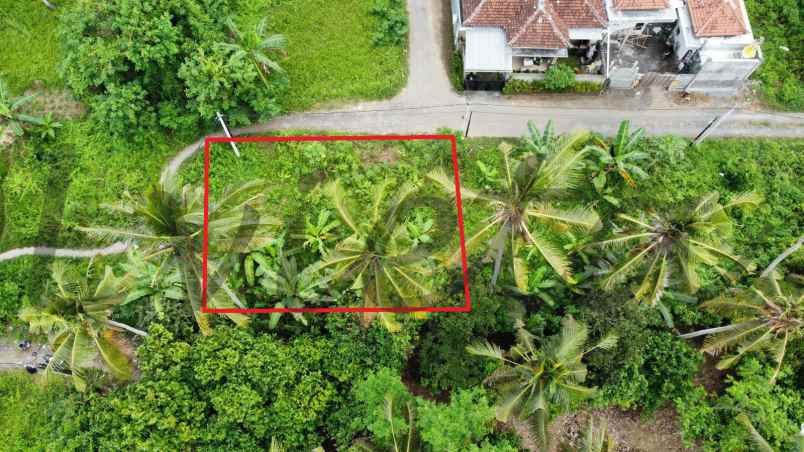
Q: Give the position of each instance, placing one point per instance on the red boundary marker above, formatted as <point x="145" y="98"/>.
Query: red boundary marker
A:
<point x="282" y="139"/>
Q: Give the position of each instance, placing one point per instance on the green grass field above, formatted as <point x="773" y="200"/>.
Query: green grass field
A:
<point x="330" y="57"/>
<point x="30" y="48"/>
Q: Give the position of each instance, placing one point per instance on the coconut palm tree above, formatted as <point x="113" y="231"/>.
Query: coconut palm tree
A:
<point x="531" y="187"/>
<point x="171" y="227"/>
<point x="763" y="318"/>
<point x="256" y="46"/>
<point x="622" y="156"/>
<point x="378" y="257"/>
<point x="532" y="378"/>
<point x="662" y="245"/>
<point x="11" y="116"/>
<point x="76" y="317"/>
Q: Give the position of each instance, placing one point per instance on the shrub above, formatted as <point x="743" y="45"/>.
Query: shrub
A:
<point x="466" y="423"/>
<point x="559" y="77"/>
<point x="517" y="86"/>
<point x="392" y="23"/>
<point x="775" y="410"/>
<point x="456" y="71"/>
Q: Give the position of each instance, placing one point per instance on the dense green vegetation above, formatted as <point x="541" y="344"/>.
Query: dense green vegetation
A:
<point x="648" y="368"/>
<point x="779" y="23"/>
<point x="600" y="268"/>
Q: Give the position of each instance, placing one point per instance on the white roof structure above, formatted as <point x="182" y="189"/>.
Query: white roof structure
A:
<point x="487" y="51"/>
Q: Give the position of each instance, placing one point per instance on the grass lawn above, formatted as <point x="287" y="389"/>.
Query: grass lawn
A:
<point x="330" y="58"/>
<point x="30" y="48"/>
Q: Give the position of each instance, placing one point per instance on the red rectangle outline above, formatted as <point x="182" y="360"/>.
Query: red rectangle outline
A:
<point x="281" y="139"/>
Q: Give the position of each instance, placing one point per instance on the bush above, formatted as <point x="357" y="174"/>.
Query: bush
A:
<point x="456" y="71"/>
<point x="559" y="77"/>
<point x="774" y="410"/>
<point x="648" y="367"/>
<point x="466" y="424"/>
<point x="539" y="86"/>
<point x="134" y="60"/>
<point x="33" y="415"/>
<point x="392" y="23"/>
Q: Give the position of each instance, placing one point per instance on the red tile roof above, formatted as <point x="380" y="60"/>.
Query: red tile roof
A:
<point x="543" y="30"/>
<point x="640" y="5"/>
<point x="541" y="24"/>
<point x="712" y="18"/>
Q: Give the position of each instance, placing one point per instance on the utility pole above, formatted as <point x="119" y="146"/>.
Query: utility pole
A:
<point x="228" y="135"/>
<point x="712" y="126"/>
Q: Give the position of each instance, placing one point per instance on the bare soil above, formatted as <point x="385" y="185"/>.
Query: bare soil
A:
<point x="59" y="102"/>
<point x="631" y="432"/>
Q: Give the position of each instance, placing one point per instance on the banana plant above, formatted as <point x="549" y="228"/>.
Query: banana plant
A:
<point x="293" y="288"/>
<point x="318" y="235"/>
<point x="621" y="156"/>
<point x="11" y="116"/>
<point x="76" y="317"/>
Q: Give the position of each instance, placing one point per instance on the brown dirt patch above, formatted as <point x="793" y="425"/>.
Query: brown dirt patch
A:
<point x="631" y="432"/>
<point x="386" y="154"/>
<point x="60" y="102"/>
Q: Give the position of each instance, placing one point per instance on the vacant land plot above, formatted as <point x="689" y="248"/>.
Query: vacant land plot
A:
<point x="331" y="58"/>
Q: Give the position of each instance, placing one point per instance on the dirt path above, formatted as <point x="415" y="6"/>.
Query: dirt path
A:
<point x="77" y="253"/>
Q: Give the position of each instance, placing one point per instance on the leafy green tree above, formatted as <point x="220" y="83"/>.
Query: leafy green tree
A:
<point x="763" y="318"/>
<point x="532" y="186"/>
<point x="622" y="155"/>
<point x="664" y="244"/>
<point x="76" y="317"/>
<point x="256" y="46"/>
<point x="143" y="63"/>
<point x="532" y="380"/>
<point x="11" y="116"/>
<point x="171" y="225"/>
<point x="377" y="258"/>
